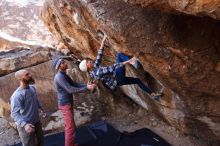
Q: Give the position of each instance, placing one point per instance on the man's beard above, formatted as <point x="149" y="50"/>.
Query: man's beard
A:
<point x="29" y="81"/>
<point x="64" y="68"/>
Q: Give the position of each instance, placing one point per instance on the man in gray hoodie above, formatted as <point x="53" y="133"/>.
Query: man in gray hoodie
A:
<point x="65" y="88"/>
<point x="25" y="110"/>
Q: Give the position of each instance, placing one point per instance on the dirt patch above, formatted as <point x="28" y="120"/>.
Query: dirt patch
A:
<point x="143" y="119"/>
<point x="8" y="135"/>
<point x="128" y="122"/>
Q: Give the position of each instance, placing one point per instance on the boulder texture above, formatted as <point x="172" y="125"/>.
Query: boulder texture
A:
<point x="7" y="45"/>
<point x="44" y="82"/>
<point x="21" y="57"/>
<point x="180" y="53"/>
<point x="37" y="60"/>
<point x="87" y="105"/>
<point x="193" y="7"/>
<point x="20" y="20"/>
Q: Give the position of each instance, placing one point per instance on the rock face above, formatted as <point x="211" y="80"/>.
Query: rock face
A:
<point x="20" y="57"/>
<point x="180" y="53"/>
<point x="200" y="8"/>
<point x="46" y="93"/>
<point x="6" y="44"/>
<point x="38" y="61"/>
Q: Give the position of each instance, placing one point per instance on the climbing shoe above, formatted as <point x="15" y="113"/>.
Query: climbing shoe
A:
<point x="157" y="96"/>
<point x="137" y="64"/>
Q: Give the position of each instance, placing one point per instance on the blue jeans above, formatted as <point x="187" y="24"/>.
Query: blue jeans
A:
<point x="122" y="79"/>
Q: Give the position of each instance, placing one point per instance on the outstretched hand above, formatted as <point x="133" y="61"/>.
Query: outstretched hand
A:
<point x="42" y="113"/>
<point x="91" y="86"/>
<point x="29" y="128"/>
<point x="103" y="40"/>
<point x="104" y="37"/>
<point x="131" y="61"/>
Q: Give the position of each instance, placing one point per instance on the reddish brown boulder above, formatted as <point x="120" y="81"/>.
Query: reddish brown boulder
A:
<point x="178" y="51"/>
<point x="199" y="8"/>
<point x="20" y="57"/>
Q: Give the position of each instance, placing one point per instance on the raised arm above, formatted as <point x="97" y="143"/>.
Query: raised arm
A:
<point x="100" y="52"/>
<point x="103" y="41"/>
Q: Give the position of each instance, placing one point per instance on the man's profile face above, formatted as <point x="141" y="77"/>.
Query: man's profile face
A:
<point x="63" y="65"/>
<point x="89" y="64"/>
<point x="27" y="79"/>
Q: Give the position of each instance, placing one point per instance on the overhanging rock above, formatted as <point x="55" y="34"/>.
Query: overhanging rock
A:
<point x="180" y="52"/>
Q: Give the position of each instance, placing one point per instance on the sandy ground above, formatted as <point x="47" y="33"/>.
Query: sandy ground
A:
<point x="7" y="134"/>
<point x="143" y="119"/>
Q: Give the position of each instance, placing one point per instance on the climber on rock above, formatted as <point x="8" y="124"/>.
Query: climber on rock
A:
<point x="114" y="75"/>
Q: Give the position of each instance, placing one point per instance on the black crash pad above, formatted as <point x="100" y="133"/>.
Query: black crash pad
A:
<point x="103" y="134"/>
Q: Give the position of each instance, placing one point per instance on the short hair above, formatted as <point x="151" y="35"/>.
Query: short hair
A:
<point x="88" y="59"/>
